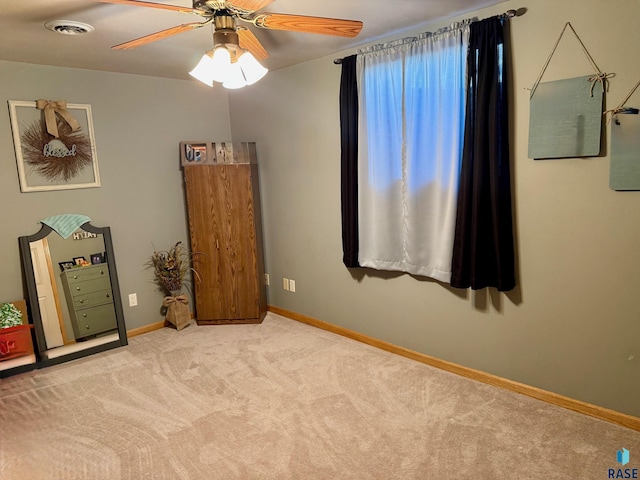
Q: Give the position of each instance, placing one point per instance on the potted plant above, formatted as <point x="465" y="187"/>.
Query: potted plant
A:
<point x="10" y="316"/>
<point x="170" y="274"/>
<point x="15" y="336"/>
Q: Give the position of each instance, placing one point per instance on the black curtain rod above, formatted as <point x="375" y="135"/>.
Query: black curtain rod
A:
<point x="509" y="14"/>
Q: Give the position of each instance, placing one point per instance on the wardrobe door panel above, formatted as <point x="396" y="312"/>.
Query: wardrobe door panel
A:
<point x="206" y="224"/>
<point x="242" y="244"/>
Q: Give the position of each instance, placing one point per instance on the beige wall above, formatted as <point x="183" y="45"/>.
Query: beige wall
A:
<point x="138" y="123"/>
<point x="573" y="324"/>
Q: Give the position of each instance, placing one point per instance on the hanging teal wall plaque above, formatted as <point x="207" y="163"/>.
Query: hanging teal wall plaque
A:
<point x="625" y="151"/>
<point x="565" y="119"/>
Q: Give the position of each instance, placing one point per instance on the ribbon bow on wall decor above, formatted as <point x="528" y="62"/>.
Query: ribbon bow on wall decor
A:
<point x="51" y="108"/>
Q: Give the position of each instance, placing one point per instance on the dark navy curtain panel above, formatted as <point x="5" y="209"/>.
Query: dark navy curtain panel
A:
<point x="483" y="253"/>
<point x="349" y="160"/>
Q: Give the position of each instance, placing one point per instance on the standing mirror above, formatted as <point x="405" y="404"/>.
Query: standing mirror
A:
<point x="72" y="287"/>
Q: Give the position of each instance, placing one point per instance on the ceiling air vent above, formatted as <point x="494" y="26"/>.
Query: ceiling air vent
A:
<point x="69" y="27"/>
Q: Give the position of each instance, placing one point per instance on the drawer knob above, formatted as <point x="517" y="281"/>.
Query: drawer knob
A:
<point x="75" y="276"/>
<point x="87" y="327"/>
<point x="108" y="296"/>
<point x="82" y="301"/>
<point x="84" y="315"/>
<point x="78" y="288"/>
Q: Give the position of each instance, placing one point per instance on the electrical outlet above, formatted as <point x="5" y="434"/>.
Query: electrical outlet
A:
<point x="133" y="299"/>
<point x="292" y="285"/>
<point x="266" y="279"/>
<point x="285" y="283"/>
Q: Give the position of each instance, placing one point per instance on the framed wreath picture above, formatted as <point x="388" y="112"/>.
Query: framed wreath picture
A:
<point x="55" y="145"/>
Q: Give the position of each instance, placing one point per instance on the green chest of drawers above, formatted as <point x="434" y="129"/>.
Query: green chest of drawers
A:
<point x="90" y="300"/>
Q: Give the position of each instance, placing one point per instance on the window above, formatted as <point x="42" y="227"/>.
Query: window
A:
<point x="411" y="132"/>
<point x="425" y="163"/>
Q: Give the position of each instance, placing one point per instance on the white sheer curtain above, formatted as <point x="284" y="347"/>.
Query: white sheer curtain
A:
<point x="411" y="128"/>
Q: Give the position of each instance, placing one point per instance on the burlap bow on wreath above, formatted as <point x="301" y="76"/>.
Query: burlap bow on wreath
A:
<point x="59" y="107"/>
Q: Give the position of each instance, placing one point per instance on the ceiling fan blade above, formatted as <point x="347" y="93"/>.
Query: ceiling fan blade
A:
<point x="158" y="35"/>
<point x="301" y="23"/>
<point x="250" y="6"/>
<point x="162" y="6"/>
<point x="248" y="41"/>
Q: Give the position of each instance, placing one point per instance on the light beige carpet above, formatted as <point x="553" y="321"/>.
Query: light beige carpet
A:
<point x="284" y="400"/>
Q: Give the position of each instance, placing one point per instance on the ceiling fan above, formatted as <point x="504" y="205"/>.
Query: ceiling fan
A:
<point x="232" y="61"/>
<point x="224" y="15"/>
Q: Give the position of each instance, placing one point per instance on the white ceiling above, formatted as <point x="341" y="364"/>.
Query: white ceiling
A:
<point x="23" y="37"/>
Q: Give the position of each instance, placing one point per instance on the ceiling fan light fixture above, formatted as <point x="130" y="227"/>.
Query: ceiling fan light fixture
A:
<point x="219" y="65"/>
<point x="251" y="68"/>
<point x="204" y="70"/>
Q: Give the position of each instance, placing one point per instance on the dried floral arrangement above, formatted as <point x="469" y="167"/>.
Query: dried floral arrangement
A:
<point x="171" y="267"/>
<point x="36" y="139"/>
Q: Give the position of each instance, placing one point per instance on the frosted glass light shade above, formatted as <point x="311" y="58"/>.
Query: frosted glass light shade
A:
<point x="251" y="68"/>
<point x="221" y="64"/>
<point x="203" y="71"/>
<point x="235" y="78"/>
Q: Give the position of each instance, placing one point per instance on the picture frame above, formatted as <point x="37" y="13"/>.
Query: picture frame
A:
<point x="225" y="152"/>
<point x="66" y="265"/>
<point x="79" y="260"/>
<point x="196" y="153"/>
<point x="46" y="162"/>
<point x="97" y="258"/>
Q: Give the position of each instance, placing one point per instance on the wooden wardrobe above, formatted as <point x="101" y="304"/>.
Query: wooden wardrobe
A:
<point x="223" y="203"/>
